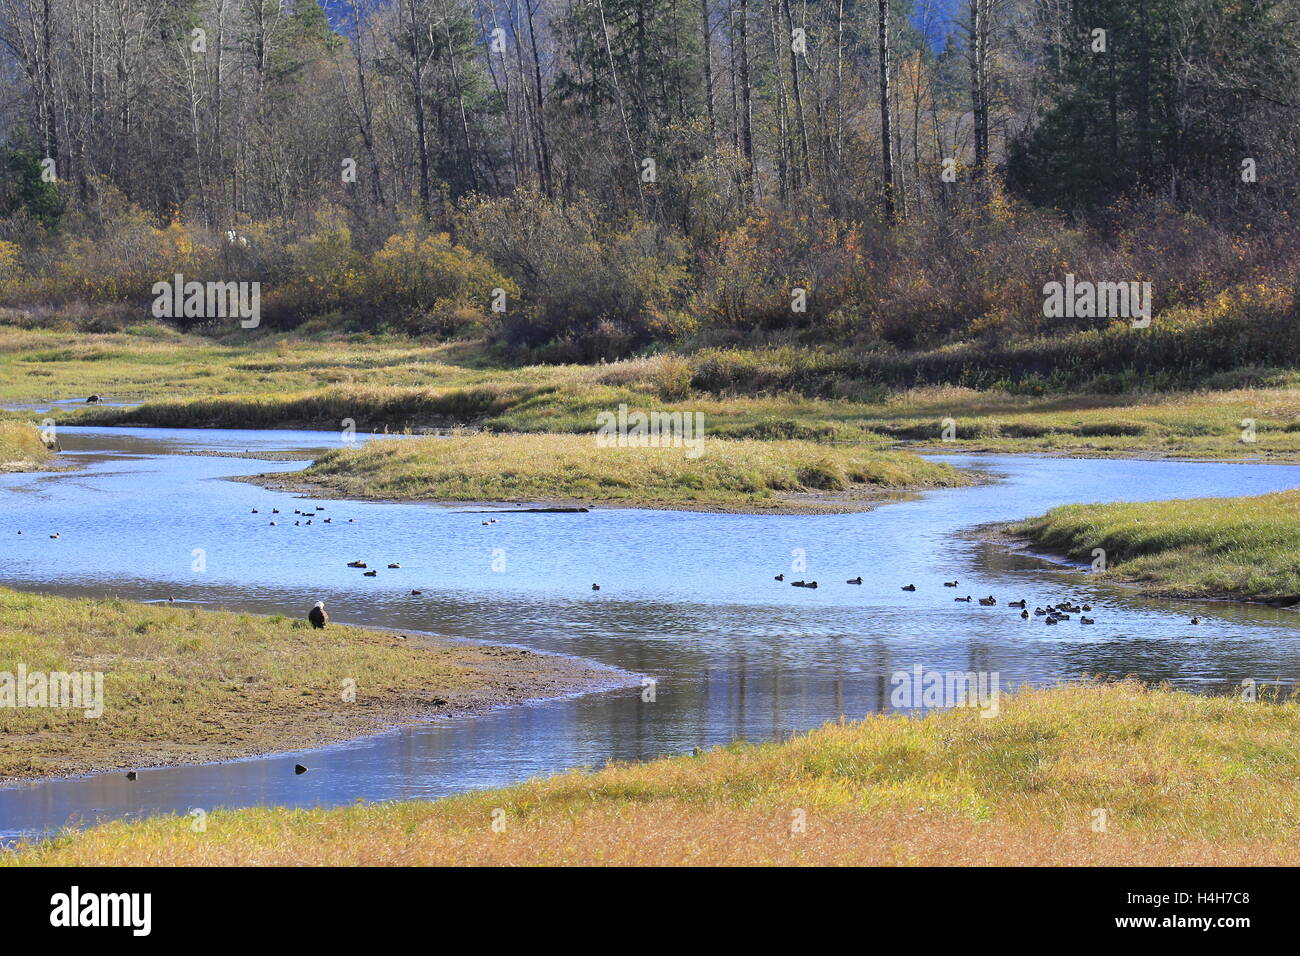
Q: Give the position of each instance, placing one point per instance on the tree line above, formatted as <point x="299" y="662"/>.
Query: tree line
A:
<point x="686" y="111"/>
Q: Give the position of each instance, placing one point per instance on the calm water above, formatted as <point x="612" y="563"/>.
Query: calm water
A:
<point x="688" y="599"/>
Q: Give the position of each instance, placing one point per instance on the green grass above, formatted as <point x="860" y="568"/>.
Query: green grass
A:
<point x="544" y="467"/>
<point x="1179" y="779"/>
<point x="185" y="685"/>
<point x="1241" y="548"/>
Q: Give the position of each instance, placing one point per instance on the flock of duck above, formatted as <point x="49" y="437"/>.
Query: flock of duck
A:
<point x="1052" y="614"/>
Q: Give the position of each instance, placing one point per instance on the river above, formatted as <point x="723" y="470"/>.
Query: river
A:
<point x="686" y="599"/>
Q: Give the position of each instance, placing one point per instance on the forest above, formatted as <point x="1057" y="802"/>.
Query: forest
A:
<point x="891" y="183"/>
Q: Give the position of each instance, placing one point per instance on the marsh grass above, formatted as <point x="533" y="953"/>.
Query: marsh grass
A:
<point x="183" y="684"/>
<point x="397" y="383"/>
<point x="1184" y="779"/>
<point x="541" y="467"/>
<point x="1241" y="548"/>
<point x="21" y="447"/>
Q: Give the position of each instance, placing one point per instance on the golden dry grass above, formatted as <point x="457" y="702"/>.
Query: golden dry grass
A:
<point x="1183" y="779"/>
<point x="21" y="447"/>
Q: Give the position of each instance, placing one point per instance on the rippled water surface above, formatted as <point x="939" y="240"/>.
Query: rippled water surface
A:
<point x="687" y="599"/>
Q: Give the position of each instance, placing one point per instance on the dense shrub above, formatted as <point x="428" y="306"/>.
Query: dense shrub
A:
<point x="428" y="284"/>
<point x="595" y="290"/>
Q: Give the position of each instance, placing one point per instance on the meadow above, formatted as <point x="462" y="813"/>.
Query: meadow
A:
<point x="1238" y="548"/>
<point x="1080" y="774"/>
<point x="184" y="685"/>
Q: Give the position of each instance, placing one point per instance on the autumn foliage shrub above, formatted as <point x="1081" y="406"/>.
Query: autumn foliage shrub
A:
<point x="588" y="289"/>
<point x="428" y="284"/>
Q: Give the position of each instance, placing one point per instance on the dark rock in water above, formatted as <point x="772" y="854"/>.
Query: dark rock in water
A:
<point x="299" y="769"/>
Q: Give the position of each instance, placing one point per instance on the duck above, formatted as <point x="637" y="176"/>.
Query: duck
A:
<point x="394" y="564"/>
<point x="857" y="580"/>
<point x="272" y="524"/>
<point x="275" y="511"/>
<point x="1062" y="617"/>
<point x="417" y="593"/>
<point x="1196" y="620"/>
<point x="1086" y="620"/>
<point x="1050" y="620"/>
<point x="254" y="511"/>
<point x="909" y="587"/>
<point x="55" y="535"/>
<point x="988" y="601"/>
<point x="595" y="587"/>
<point x="357" y="564"/>
<point x="370" y="574"/>
<point x="1039" y="612"/>
<point x="1020" y="603"/>
<point x="966" y="599"/>
<point x="779" y="577"/>
<point x="950" y="584"/>
<point x="328" y="520"/>
<point x="1024" y="615"/>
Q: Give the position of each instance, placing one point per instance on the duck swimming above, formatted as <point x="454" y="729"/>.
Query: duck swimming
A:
<point x="909" y="587"/>
<point x="857" y="580"/>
